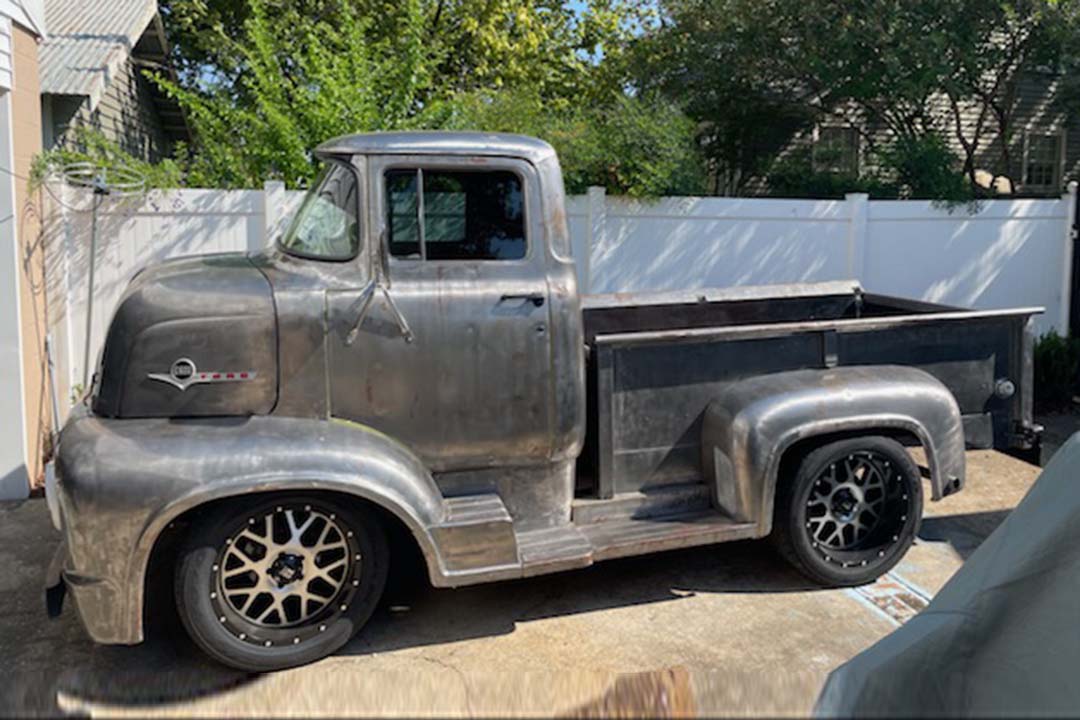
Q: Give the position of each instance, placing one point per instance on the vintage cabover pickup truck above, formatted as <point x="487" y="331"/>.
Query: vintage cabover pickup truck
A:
<point x="412" y="365"/>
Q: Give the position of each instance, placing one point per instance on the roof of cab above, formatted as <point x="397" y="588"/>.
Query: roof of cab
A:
<point x="438" y="143"/>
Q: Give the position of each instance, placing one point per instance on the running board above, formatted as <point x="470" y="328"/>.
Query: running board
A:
<point x="621" y="538"/>
<point x="479" y="544"/>
<point x="552" y="549"/>
<point x="572" y="546"/>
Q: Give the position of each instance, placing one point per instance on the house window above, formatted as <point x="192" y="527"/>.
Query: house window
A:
<point x="1042" y="161"/>
<point x="836" y="150"/>
<point x="451" y="215"/>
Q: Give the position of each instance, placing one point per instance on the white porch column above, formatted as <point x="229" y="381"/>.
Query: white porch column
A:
<point x="14" y="477"/>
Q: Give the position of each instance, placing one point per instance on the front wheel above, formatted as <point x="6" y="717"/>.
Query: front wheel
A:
<point x="850" y="512"/>
<point x="282" y="582"/>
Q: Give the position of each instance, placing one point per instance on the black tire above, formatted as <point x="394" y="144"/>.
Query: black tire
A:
<point x="317" y="610"/>
<point x="824" y="522"/>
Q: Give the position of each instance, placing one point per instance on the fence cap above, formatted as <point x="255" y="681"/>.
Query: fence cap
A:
<point x="743" y="292"/>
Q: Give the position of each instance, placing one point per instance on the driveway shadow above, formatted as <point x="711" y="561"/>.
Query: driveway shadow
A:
<point x="42" y="658"/>
<point x="419" y="615"/>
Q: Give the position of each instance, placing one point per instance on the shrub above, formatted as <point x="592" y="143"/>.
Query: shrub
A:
<point x="1057" y="366"/>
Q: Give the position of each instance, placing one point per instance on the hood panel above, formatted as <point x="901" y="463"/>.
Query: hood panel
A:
<point x="191" y="337"/>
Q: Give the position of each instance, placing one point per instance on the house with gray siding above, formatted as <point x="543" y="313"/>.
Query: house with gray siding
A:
<point x="92" y="75"/>
<point x="1041" y="156"/>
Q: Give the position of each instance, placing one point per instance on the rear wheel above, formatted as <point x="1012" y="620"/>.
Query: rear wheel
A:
<point x="850" y="512"/>
<point x="282" y="582"/>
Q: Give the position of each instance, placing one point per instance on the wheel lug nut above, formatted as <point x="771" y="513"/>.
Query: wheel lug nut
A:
<point x="344" y="608"/>
<point x="213" y="595"/>
<point x="307" y="508"/>
<point x="267" y="643"/>
<point x="222" y="618"/>
<point x="322" y="628"/>
<point x="296" y="641"/>
<point x="243" y="636"/>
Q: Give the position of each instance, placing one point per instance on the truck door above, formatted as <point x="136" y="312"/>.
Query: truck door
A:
<point x="453" y="356"/>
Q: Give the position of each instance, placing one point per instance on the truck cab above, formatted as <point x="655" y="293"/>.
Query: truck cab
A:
<point x="412" y="365"/>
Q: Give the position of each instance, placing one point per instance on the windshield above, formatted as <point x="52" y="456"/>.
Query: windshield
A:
<point x="325" y="228"/>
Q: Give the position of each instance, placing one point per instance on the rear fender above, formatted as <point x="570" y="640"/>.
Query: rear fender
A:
<point x="752" y="423"/>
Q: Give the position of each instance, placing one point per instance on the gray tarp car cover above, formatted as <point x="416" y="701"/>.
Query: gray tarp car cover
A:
<point x="1002" y="637"/>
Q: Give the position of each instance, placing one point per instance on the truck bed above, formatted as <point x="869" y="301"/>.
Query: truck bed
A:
<point x="656" y="360"/>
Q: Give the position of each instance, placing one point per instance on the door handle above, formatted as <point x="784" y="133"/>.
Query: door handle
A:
<point x="536" y="299"/>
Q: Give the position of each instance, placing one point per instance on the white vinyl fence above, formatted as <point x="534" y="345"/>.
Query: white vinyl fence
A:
<point x="1005" y="253"/>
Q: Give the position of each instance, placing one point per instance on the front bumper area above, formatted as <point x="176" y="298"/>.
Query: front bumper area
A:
<point x="97" y="601"/>
<point x="93" y="561"/>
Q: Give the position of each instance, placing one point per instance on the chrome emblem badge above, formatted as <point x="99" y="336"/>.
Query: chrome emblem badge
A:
<point x="183" y="374"/>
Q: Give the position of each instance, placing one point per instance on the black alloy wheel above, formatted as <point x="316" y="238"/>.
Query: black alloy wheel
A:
<point x="850" y="512"/>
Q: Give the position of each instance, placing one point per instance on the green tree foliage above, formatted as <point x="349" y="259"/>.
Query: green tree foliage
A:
<point x="638" y="146"/>
<point x="88" y="145"/>
<point x="542" y="44"/>
<point x="264" y="81"/>
<point x="754" y="72"/>
<point x="297" y="88"/>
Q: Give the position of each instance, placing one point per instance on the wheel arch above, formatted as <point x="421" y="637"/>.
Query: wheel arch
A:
<point x="162" y="535"/>
<point x="904" y="430"/>
<point x="756" y="426"/>
<point x="158" y="579"/>
<point x="796" y="451"/>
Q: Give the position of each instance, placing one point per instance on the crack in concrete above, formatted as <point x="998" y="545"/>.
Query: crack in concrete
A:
<point x="461" y="676"/>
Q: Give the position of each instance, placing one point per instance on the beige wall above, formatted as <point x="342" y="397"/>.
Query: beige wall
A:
<point x="26" y="133"/>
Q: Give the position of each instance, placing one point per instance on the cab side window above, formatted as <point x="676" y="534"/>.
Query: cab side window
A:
<point x="455" y="215"/>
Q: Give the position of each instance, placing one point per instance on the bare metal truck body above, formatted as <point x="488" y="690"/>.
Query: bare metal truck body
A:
<point x="413" y="361"/>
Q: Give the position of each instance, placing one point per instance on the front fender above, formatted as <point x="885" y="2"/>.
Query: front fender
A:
<point x="752" y="422"/>
<point x="121" y="482"/>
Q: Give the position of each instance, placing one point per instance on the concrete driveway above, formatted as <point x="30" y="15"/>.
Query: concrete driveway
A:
<point x="724" y="630"/>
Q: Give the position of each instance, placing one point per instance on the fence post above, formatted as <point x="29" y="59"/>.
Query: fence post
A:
<point x="273" y="206"/>
<point x="858" y="206"/>
<point x="66" y="253"/>
<point x="594" y="235"/>
<point x="1067" y="271"/>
